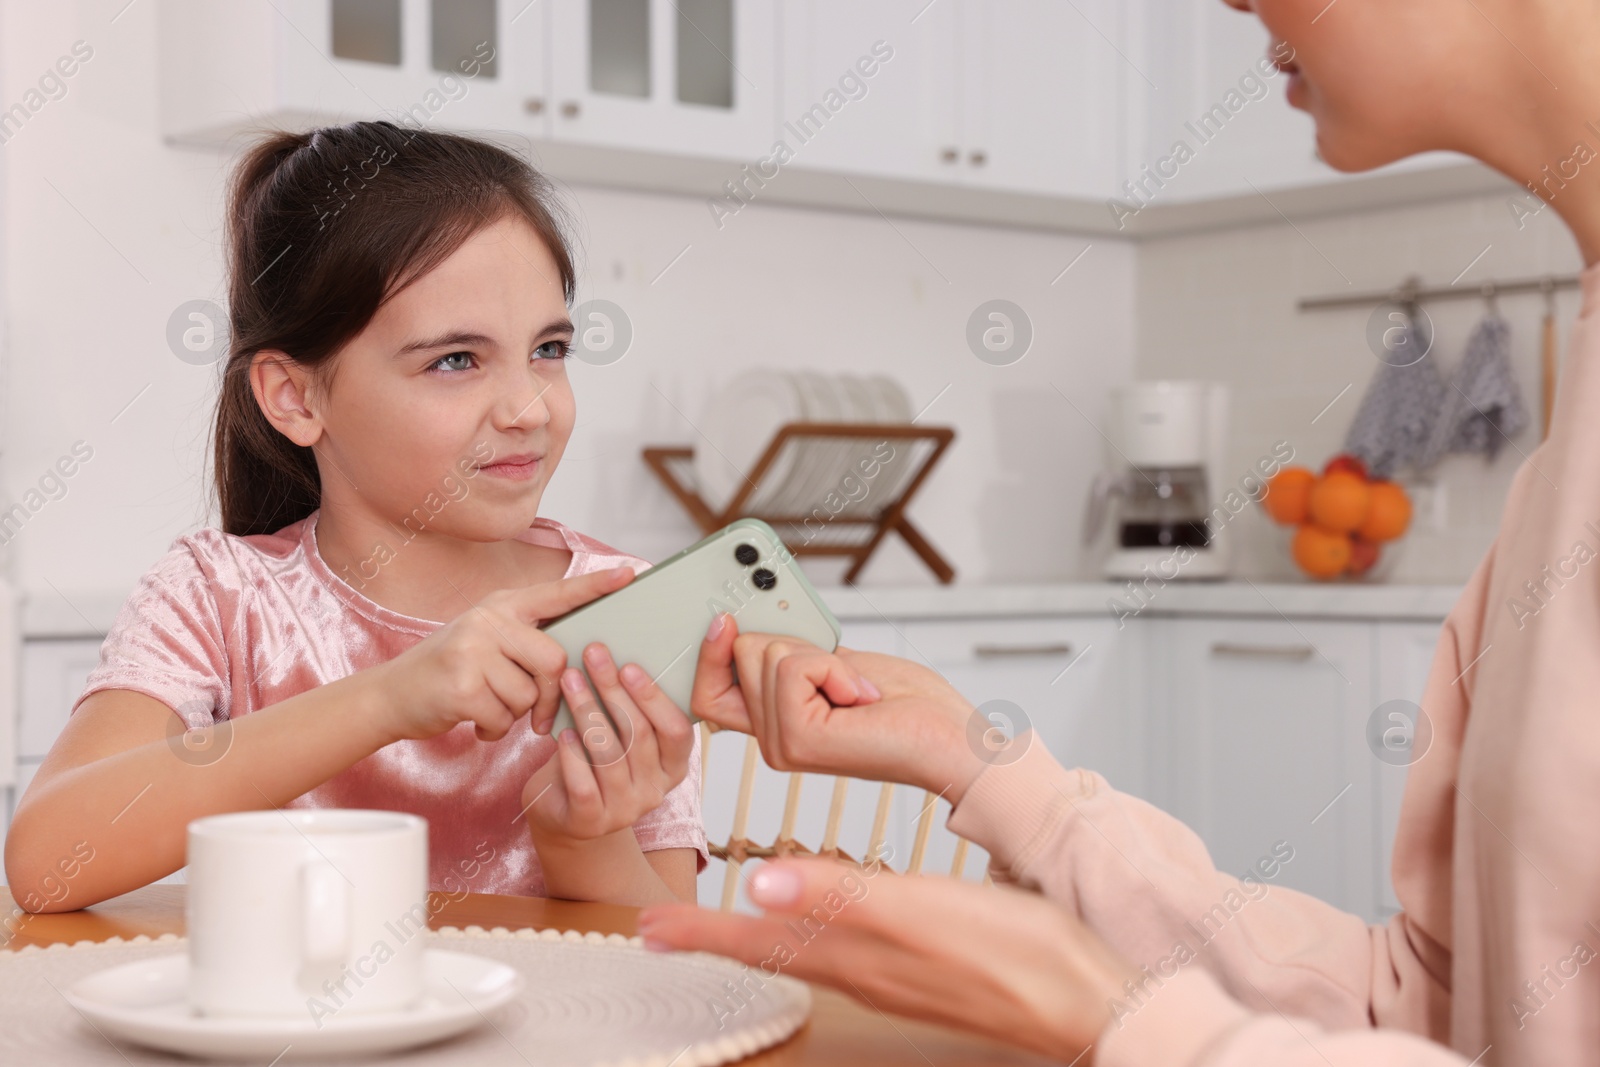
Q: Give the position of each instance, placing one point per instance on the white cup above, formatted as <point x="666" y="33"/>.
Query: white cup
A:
<point x="319" y="911"/>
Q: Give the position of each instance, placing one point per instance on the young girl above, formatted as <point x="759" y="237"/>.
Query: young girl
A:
<point x="362" y="629"/>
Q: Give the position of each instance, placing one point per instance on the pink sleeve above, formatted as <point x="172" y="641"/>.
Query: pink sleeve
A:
<point x="1207" y="941"/>
<point x="677" y="822"/>
<point x="167" y="643"/>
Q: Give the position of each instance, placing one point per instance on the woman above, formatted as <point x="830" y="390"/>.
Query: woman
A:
<point x="1501" y="892"/>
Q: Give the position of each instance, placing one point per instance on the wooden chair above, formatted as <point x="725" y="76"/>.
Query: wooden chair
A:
<point x="739" y="848"/>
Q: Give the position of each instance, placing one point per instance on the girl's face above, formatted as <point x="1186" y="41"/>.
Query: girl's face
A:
<point x="1369" y="72"/>
<point x="452" y="407"/>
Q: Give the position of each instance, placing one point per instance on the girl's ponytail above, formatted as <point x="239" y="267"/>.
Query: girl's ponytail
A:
<point x="324" y="226"/>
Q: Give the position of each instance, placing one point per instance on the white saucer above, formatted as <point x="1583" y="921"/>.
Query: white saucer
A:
<point x="147" y="1002"/>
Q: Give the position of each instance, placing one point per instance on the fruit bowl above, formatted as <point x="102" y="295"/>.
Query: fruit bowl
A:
<point x="1342" y="524"/>
<point x="1389" y="553"/>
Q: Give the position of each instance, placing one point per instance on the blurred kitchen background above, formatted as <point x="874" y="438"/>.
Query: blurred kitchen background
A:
<point x="938" y="156"/>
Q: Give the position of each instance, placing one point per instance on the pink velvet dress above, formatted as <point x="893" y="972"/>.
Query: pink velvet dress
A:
<point x="223" y="626"/>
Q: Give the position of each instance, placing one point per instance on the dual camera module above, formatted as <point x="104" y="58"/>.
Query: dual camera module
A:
<point x="747" y="555"/>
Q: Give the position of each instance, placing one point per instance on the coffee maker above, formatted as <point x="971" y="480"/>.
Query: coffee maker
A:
<point x="1166" y="446"/>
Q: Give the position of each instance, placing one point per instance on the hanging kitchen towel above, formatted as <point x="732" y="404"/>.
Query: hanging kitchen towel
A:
<point x="1394" y="426"/>
<point x="1482" y="407"/>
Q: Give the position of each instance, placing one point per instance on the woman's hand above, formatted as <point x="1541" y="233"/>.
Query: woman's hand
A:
<point x="860" y="714"/>
<point x="991" y="960"/>
<point x="490" y="665"/>
<point x="629" y="767"/>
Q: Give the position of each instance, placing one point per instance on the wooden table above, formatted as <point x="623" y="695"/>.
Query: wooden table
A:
<point x="840" y="1031"/>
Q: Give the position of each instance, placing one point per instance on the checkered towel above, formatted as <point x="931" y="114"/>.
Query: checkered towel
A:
<point x="1394" y="426"/>
<point x="1409" y="417"/>
<point x="1483" y="407"/>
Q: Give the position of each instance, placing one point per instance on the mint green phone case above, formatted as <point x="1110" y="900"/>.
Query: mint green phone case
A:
<point x="659" y="619"/>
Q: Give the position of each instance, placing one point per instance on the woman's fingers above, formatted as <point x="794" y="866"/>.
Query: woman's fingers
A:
<point x="716" y="696"/>
<point x="822" y="890"/>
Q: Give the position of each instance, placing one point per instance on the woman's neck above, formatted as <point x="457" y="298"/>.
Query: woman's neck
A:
<point x="1549" y="142"/>
<point x="422" y="572"/>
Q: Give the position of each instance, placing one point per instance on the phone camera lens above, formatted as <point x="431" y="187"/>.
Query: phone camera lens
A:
<point x="764" y="578"/>
<point x="746" y="554"/>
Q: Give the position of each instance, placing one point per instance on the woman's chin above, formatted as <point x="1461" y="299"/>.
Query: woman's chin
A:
<point x="1352" y="155"/>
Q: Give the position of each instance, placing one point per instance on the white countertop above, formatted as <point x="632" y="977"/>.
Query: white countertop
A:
<point x="89" y="613"/>
<point x="1350" y="600"/>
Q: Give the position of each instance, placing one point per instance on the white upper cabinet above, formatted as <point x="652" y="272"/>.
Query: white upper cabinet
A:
<point x="1215" y="124"/>
<point x="1025" y="96"/>
<point x="1044" y="94"/>
<point x="688" y="77"/>
<point x="1077" y="105"/>
<point x="870" y="88"/>
<point x="463" y="64"/>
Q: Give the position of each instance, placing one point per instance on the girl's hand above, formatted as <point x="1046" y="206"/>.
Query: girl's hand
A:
<point x="996" y="961"/>
<point x="860" y="714"/>
<point x="491" y="664"/>
<point x="628" y="769"/>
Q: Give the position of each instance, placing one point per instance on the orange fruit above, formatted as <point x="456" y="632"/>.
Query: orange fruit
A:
<point x="1388" y="513"/>
<point x="1321" y="553"/>
<point x="1363" y="555"/>
<point x="1288" y="495"/>
<point x="1345" y="461"/>
<point x="1339" y="501"/>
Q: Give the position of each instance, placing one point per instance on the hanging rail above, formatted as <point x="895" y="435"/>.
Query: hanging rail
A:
<point x="1411" y="292"/>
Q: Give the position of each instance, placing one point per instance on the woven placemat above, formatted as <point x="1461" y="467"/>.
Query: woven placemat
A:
<point x="588" y="999"/>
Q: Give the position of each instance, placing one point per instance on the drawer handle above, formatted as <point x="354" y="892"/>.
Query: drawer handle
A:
<point x="1294" y="652"/>
<point x="996" y="651"/>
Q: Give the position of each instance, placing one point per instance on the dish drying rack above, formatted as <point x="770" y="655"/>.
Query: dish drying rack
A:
<point x="851" y="531"/>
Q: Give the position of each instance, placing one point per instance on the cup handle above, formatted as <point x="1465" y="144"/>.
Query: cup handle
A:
<point x="325" y="914"/>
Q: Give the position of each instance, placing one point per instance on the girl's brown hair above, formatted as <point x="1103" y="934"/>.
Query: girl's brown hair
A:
<point x="324" y="226"/>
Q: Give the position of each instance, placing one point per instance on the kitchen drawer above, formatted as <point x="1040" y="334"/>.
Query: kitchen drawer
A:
<point x="1264" y="743"/>
<point x="1066" y="676"/>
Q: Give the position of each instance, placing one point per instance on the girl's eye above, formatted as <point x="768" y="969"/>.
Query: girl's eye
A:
<point x="557" y="349"/>
<point x="440" y="363"/>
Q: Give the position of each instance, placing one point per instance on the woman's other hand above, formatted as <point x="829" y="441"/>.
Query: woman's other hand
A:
<point x="861" y="714"/>
<point x="990" y="960"/>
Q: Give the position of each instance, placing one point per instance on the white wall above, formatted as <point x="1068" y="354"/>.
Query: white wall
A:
<point x="110" y="230"/>
<point x="1223" y="305"/>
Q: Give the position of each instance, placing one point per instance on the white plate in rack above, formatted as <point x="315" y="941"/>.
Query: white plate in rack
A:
<point x="736" y="427"/>
<point x="894" y="405"/>
<point x="817" y="468"/>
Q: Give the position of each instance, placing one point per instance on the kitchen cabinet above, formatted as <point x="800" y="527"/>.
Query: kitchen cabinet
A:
<point x="461" y="64"/>
<point x="1056" y="109"/>
<point x="988" y="95"/>
<point x="870" y="88"/>
<point x="1263" y="742"/>
<point x="1045" y="95"/>
<point x="1207" y="91"/>
<point x="696" y="77"/>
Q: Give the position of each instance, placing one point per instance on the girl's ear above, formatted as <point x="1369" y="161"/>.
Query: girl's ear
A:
<point x="282" y="391"/>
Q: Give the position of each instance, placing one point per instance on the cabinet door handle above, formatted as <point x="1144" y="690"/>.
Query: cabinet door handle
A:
<point x="534" y="105"/>
<point x="997" y="651"/>
<point x="570" y="109"/>
<point x="978" y="157"/>
<point x="950" y="155"/>
<point x="1294" y="652"/>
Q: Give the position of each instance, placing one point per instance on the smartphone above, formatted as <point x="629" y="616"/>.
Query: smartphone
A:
<point x="659" y="619"/>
